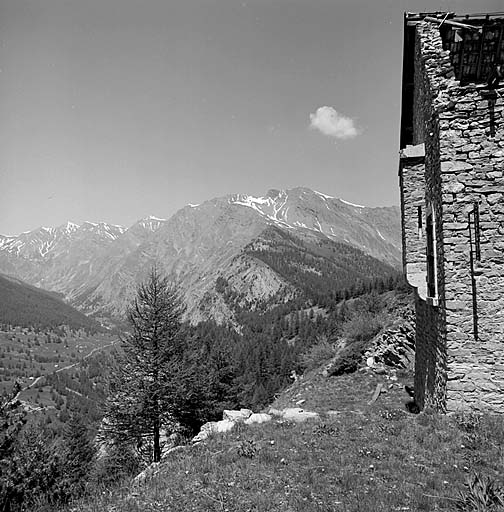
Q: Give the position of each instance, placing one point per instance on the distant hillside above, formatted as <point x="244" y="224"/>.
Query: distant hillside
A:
<point x="27" y="306"/>
<point x="317" y="265"/>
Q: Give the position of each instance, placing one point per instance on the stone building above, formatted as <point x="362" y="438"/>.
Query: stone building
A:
<point x="452" y="200"/>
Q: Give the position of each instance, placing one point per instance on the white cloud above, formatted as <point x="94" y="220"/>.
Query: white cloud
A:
<point x="329" y="122"/>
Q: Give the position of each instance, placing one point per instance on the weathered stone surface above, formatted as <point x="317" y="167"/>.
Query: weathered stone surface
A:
<point x="240" y="415"/>
<point x="212" y="427"/>
<point x="258" y="418"/>
<point x="464" y="160"/>
<point x="395" y="347"/>
<point x="297" y="414"/>
<point x="453" y="187"/>
<point x="456" y="166"/>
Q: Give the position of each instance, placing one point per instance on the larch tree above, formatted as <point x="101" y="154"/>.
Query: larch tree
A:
<point x="147" y="379"/>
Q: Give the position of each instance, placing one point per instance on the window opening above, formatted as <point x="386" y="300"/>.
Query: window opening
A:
<point x="431" y="255"/>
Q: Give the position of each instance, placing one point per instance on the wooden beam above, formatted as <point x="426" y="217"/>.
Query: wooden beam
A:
<point x="453" y="23"/>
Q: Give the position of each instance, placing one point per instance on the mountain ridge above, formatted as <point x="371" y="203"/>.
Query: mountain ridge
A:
<point x="97" y="266"/>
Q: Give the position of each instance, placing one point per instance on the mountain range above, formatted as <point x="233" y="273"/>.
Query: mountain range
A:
<point x="228" y="252"/>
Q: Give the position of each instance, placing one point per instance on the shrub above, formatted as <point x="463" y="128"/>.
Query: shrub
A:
<point x="348" y="359"/>
<point x="468" y="421"/>
<point x="318" y="354"/>
<point x="481" y="494"/>
<point x="362" y="326"/>
<point x="247" y="448"/>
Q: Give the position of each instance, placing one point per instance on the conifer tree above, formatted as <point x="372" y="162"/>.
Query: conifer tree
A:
<point x="141" y="403"/>
<point x="77" y="456"/>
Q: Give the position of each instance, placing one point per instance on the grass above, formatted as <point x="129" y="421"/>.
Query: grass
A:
<point x="357" y="457"/>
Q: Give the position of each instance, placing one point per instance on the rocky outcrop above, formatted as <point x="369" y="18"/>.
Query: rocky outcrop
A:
<point x="394" y="347"/>
<point x="246" y="416"/>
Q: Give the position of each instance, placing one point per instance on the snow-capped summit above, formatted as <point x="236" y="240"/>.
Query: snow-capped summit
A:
<point x="69" y="227"/>
<point x="103" y="229"/>
<point x="150" y="223"/>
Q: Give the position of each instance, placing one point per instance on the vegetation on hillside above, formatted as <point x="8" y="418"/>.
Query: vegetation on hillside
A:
<point x="322" y="270"/>
<point x="27" y="306"/>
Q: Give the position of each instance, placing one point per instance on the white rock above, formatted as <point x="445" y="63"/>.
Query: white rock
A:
<point x="298" y="414"/>
<point x="203" y="434"/>
<point x="211" y="427"/>
<point x="223" y="426"/>
<point x="240" y="415"/>
<point x="275" y="412"/>
<point x="208" y="427"/>
<point x="258" y="418"/>
<point x="370" y="362"/>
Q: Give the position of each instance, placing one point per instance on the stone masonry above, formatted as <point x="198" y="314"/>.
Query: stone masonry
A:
<point x="451" y="170"/>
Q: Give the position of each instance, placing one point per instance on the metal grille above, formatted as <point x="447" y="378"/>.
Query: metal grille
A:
<point x="475" y="54"/>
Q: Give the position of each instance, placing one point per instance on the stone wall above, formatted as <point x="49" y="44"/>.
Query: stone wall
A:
<point x="430" y="357"/>
<point x="462" y="130"/>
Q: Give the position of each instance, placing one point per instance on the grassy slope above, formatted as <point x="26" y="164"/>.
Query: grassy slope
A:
<point x="364" y="457"/>
<point x="27" y="306"/>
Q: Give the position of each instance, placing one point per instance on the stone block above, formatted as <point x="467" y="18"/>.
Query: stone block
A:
<point x="455" y="166"/>
<point x="453" y="187"/>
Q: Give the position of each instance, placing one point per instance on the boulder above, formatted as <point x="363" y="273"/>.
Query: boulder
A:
<point x="223" y="426"/>
<point x="201" y="436"/>
<point x="298" y="414"/>
<point x="211" y="427"/>
<point x="258" y="418"/>
<point x="240" y="415"/>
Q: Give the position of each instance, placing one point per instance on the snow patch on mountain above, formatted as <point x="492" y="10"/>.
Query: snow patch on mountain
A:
<point x="352" y="204"/>
<point x="324" y="196"/>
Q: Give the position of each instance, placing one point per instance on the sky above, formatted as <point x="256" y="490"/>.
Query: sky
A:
<point x="113" y="110"/>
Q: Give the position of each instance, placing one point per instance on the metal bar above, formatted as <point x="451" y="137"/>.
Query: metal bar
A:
<point x="477" y="232"/>
<point x="473" y="284"/>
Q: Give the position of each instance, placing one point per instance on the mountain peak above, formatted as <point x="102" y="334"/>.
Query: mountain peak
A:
<point x="150" y="223"/>
<point x="69" y="227"/>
